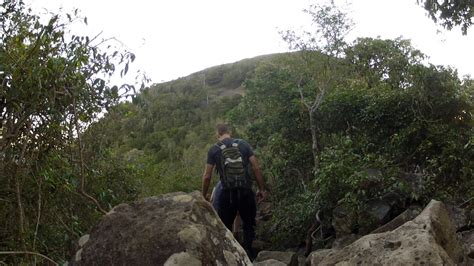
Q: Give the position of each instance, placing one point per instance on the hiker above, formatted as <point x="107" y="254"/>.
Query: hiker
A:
<point x="232" y="158"/>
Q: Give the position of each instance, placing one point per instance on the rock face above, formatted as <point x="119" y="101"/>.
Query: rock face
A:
<point x="173" y="229"/>
<point x="428" y="239"/>
<point x="343" y="241"/>
<point x="467" y="240"/>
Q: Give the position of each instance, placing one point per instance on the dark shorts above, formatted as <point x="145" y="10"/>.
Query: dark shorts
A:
<point x="242" y="201"/>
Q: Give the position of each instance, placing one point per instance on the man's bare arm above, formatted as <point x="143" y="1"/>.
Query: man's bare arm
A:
<point x="206" y="179"/>
<point x="261" y="194"/>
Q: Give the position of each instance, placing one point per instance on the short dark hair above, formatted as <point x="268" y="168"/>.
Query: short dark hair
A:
<point x="222" y="129"/>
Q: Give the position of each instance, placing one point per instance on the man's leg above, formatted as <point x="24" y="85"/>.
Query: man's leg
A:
<point x="237" y="228"/>
<point x="248" y="211"/>
<point x="227" y="208"/>
<point x="216" y="196"/>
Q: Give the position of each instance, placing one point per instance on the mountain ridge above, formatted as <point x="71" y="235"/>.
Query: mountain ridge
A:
<point x="220" y="80"/>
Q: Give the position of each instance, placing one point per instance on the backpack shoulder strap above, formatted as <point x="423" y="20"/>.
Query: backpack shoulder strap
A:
<point x="220" y="145"/>
<point x="236" y="142"/>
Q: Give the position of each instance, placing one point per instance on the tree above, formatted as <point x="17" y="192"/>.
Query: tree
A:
<point x="319" y="52"/>
<point x="450" y="13"/>
<point x="387" y="61"/>
<point x="52" y="85"/>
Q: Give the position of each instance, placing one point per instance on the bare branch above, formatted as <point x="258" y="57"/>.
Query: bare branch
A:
<point x="28" y="253"/>
<point x="318" y="100"/>
<point x="300" y="89"/>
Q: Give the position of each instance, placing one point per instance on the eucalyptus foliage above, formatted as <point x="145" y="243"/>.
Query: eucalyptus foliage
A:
<point x="52" y="86"/>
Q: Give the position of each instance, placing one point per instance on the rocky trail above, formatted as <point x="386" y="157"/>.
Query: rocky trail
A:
<point x="183" y="229"/>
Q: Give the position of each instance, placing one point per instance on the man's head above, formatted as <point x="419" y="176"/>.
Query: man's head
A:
<point x="222" y="129"/>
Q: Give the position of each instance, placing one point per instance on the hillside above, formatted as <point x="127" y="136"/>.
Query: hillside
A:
<point x="222" y="80"/>
<point x="168" y="126"/>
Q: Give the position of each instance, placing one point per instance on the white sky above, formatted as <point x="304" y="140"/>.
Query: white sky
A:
<point x="174" y="38"/>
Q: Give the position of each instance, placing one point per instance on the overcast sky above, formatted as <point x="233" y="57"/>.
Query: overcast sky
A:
<point x="174" y="38"/>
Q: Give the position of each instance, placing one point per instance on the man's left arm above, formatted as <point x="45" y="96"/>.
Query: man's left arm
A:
<point x="261" y="193"/>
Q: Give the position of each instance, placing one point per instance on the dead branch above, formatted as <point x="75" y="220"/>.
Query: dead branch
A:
<point x="309" y="236"/>
<point x="462" y="205"/>
<point x="28" y="253"/>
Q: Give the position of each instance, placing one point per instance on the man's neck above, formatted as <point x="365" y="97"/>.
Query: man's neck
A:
<point x="223" y="137"/>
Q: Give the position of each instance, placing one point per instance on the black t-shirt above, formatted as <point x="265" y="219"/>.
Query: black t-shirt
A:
<point x="214" y="154"/>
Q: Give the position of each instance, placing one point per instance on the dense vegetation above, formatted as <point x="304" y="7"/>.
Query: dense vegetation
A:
<point x="418" y="137"/>
<point x="322" y="119"/>
<point x="54" y="182"/>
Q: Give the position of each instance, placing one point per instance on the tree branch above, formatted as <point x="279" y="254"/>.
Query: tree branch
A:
<point x="81" y="156"/>
<point x="38" y="218"/>
<point x="21" y="211"/>
<point x="300" y="89"/>
<point x="28" y="253"/>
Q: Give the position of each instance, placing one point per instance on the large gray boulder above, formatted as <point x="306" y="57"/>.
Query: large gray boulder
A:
<point x="173" y="229"/>
<point x="429" y="239"/>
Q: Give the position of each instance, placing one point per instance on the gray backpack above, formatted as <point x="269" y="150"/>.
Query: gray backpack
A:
<point x="233" y="175"/>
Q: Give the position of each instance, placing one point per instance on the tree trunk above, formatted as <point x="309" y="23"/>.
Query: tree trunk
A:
<point x="314" y="138"/>
<point x="21" y="213"/>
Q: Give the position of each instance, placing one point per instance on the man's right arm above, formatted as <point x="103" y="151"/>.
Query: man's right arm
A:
<point x="206" y="179"/>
